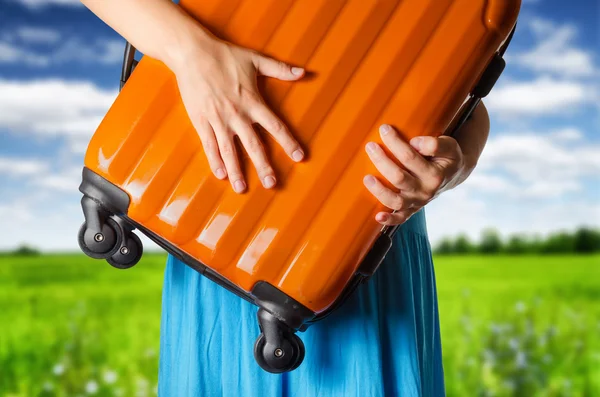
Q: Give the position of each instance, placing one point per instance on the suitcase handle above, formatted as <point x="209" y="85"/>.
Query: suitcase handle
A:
<point x="487" y="81"/>
<point x="129" y="63"/>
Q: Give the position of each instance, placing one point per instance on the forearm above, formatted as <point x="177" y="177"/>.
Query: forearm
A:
<point x="472" y="138"/>
<point x="157" y="28"/>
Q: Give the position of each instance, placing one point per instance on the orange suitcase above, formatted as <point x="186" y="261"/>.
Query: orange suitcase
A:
<point x="299" y="250"/>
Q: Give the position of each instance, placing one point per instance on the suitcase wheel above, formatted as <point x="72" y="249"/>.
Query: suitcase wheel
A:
<point x="128" y="254"/>
<point x="103" y="243"/>
<point x="277" y="349"/>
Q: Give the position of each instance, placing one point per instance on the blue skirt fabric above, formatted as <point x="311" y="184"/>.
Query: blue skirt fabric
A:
<point x="385" y="341"/>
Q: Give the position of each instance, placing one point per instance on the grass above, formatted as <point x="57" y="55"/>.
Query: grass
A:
<point x="520" y="326"/>
<point x="511" y="326"/>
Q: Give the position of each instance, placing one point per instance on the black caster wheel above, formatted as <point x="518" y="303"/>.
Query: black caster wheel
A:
<point x="128" y="254"/>
<point x="100" y="245"/>
<point x="301" y="351"/>
<point x="285" y="356"/>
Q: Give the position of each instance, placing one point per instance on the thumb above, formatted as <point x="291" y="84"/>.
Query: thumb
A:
<point x="280" y="70"/>
<point x="443" y="147"/>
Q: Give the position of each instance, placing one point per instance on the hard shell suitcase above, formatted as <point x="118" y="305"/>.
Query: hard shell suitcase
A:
<point x="299" y="250"/>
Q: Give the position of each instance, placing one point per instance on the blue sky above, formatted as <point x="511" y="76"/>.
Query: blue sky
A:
<point x="59" y="72"/>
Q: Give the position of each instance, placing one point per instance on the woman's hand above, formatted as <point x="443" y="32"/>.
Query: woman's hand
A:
<point x="218" y="85"/>
<point x="217" y="81"/>
<point x="430" y="165"/>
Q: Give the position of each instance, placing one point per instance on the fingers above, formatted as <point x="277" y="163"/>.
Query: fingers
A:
<point x="280" y="70"/>
<point x="443" y="146"/>
<point x="408" y="157"/>
<point x="256" y="151"/>
<point x="261" y="114"/>
<point x="229" y="156"/>
<point x="389" y="169"/>
<point x="211" y="148"/>
<point x="386" y="196"/>
<point x="397" y="218"/>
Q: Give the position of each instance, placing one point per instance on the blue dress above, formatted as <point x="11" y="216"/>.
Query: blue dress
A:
<point x="384" y="342"/>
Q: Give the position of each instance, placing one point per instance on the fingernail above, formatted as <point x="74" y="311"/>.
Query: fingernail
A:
<point x="416" y="142"/>
<point x="382" y="217"/>
<point x="384" y="129"/>
<point x="298" y="155"/>
<point x="220" y="173"/>
<point x="239" y="186"/>
<point x="297" y="71"/>
<point x="269" y="182"/>
<point x="371" y="147"/>
<point x="370" y="180"/>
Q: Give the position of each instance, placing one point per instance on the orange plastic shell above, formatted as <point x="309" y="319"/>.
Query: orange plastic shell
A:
<point x="409" y="63"/>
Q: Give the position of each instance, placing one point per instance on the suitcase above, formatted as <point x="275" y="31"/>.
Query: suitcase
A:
<point x="299" y="250"/>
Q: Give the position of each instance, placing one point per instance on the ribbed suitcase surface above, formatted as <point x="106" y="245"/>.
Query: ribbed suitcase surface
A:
<point x="409" y="63"/>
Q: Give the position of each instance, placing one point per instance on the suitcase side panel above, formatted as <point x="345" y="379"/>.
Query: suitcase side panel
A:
<point x="373" y="62"/>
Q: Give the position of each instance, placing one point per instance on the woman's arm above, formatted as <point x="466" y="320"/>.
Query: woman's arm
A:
<point x="158" y="28"/>
<point x="217" y="81"/>
<point x="471" y="138"/>
<point x="431" y="166"/>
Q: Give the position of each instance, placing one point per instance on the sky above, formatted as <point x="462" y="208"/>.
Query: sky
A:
<point x="539" y="173"/>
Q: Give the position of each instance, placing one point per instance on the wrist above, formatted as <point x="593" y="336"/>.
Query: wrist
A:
<point x="184" y="41"/>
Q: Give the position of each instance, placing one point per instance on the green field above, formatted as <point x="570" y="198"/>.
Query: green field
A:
<point x="511" y="326"/>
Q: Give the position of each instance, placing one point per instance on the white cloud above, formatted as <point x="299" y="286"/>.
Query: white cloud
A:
<point x="556" y="51"/>
<point x="108" y="52"/>
<point x="32" y="34"/>
<point x="64" y="181"/>
<point x="535" y="166"/>
<point x="29" y="221"/>
<point x="105" y="52"/>
<point x="18" y="167"/>
<point x="53" y="107"/>
<point x="543" y="96"/>
<point x="12" y="54"/>
<point x="42" y="3"/>
<point x="14" y="213"/>
<point x="567" y="135"/>
<point x="564" y="75"/>
<point x="532" y="157"/>
<point x="458" y="211"/>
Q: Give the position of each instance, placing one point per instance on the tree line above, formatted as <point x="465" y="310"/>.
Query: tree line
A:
<point x="581" y="241"/>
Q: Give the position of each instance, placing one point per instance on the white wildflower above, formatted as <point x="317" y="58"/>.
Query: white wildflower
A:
<point x="521" y="360"/>
<point x="520" y="307"/>
<point x="91" y="387"/>
<point x="489" y="358"/>
<point x="142" y="387"/>
<point x="58" y="369"/>
<point x="48" y="386"/>
<point x="110" y="377"/>
<point x="513" y="343"/>
<point x="495" y="328"/>
<point x="547" y="359"/>
<point x="567" y="384"/>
